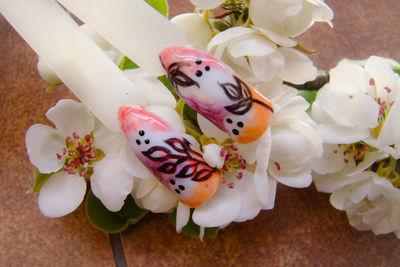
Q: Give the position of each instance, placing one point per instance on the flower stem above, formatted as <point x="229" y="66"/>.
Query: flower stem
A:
<point x="318" y="83"/>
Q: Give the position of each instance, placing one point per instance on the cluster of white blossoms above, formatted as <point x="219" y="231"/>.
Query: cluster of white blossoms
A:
<point x="262" y="48"/>
<point x="265" y="57"/>
<point x="264" y="54"/>
<point x="358" y="116"/>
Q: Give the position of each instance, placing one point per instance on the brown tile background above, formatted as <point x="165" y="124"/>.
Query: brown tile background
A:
<point x="303" y="229"/>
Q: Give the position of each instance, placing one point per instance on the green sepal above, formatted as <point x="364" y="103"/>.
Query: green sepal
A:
<point x="221" y="25"/>
<point x="309" y="96"/>
<point x="113" y="222"/>
<point x="192" y="229"/>
<point x="40" y="179"/>
<point x="189" y="118"/>
<point x="159" y="5"/>
<point x="394" y="65"/>
<point x="165" y="81"/>
<point x="52" y="86"/>
<point x="127" y="64"/>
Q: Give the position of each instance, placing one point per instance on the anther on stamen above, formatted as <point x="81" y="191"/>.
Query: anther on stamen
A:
<point x="75" y="135"/>
<point x="78" y="155"/>
<point x="372" y="82"/>
<point x="93" y="154"/>
<point x="223" y="152"/>
<point x="242" y="163"/>
<point x="231" y="185"/>
<point x="278" y="166"/>
<point x="233" y="160"/>
<point x="239" y="175"/>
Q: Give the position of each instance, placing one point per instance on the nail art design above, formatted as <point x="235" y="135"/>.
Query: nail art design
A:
<point x="169" y="156"/>
<point x="215" y="91"/>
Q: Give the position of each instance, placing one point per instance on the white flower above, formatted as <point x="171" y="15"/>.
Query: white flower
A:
<point x="295" y="142"/>
<point x="123" y="171"/>
<point x="283" y="154"/>
<point x="360" y="104"/>
<point x="288" y="17"/>
<point x="256" y="58"/>
<point x="359" y="120"/>
<point x="370" y="201"/>
<point x="206" y="4"/>
<point x="47" y="73"/>
<point x="71" y="152"/>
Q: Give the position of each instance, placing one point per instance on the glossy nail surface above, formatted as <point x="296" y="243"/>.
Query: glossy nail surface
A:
<point x="215" y="91"/>
<point x="169" y="156"/>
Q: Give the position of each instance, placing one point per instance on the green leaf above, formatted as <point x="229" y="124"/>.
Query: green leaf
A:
<point x="189" y="117"/>
<point x="127" y="64"/>
<point x="112" y="222"/>
<point x="40" y="179"/>
<point x="159" y="5"/>
<point x="309" y="96"/>
<point x="192" y="229"/>
<point x="167" y="84"/>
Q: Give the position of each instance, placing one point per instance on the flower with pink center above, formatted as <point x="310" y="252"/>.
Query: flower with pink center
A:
<point x="78" y="149"/>
<point x="371" y="114"/>
<point x="359" y="165"/>
<point x="251" y="171"/>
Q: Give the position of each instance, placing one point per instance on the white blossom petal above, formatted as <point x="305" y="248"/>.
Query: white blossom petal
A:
<point x="206" y="4"/>
<point x="110" y="183"/>
<point x="276" y="38"/>
<point x="159" y="200"/>
<point x="61" y="194"/>
<point x="338" y="199"/>
<point x="299" y="179"/>
<point x="222" y="208"/>
<point x="70" y="116"/>
<point x="266" y="67"/>
<point x="107" y="140"/>
<point x="390" y="132"/>
<point x="209" y="129"/>
<point x="288" y="18"/>
<point x="182" y="216"/>
<point x="133" y="165"/>
<point x="271" y="193"/>
<point x="226" y="36"/>
<point x="212" y="155"/>
<point x="331" y="161"/>
<point x="42" y="143"/>
<point x="144" y="187"/>
<point x="298" y="68"/>
<point x="256" y="46"/>
<point x="250" y="203"/>
<point x="260" y="174"/>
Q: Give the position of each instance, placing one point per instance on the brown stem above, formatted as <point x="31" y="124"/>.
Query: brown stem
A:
<point x="316" y="84"/>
